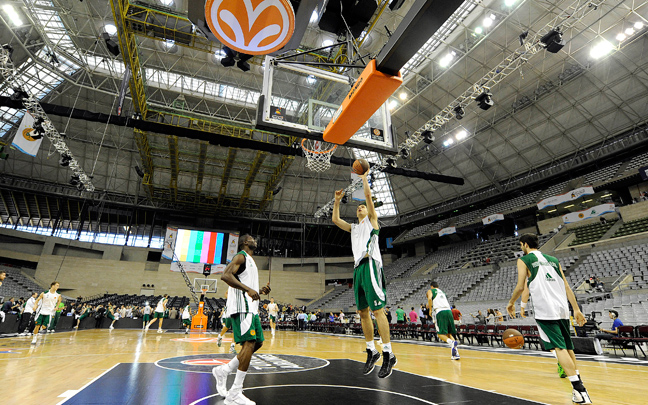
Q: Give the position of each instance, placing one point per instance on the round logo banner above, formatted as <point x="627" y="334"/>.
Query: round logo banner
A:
<point x="253" y="27"/>
<point x="260" y="363"/>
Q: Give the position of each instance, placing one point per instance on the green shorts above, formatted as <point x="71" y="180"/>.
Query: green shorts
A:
<point x="369" y="285"/>
<point x="146" y="317"/>
<point x="273" y="318"/>
<point x="159" y="315"/>
<point x="246" y="327"/>
<point x="186" y="322"/>
<point x="227" y="322"/>
<point x="110" y="316"/>
<point x="43" y="320"/>
<point x="555" y="334"/>
<point x="445" y="323"/>
<point x="82" y="317"/>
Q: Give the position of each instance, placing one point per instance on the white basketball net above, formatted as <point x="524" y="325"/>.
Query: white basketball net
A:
<point x="318" y="154"/>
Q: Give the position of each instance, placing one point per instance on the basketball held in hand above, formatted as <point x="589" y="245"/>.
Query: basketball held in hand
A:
<point x="513" y="339"/>
<point x="360" y="166"/>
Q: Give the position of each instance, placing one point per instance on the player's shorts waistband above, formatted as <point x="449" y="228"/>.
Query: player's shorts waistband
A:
<point x="363" y="261"/>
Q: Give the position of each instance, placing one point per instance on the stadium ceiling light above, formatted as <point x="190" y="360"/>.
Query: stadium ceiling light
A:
<point x="629" y="31"/>
<point x="310" y="79"/>
<point x="638" y="25"/>
<point x="314" y="17"/>
<point x="601" y="49"/>
<point x="446" y="60"/>
<point x="403" y="96"/>
<point x="168" y="44"/>
<point x="461" y="135"/>
<point x="621" y="37"/>
<point x="479" y="30"/>
<point x="110" y="29"/>
<point x="509" y="3"/>
<point x="392" y="104"/>
<point x="12" y="14"/>
<point x="167" y="2"/>
<point x="488" y="21"/>
<point x="448" y="142"/>
<point x="327" y="42"/>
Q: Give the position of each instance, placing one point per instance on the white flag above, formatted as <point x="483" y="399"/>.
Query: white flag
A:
<point x="23" y="140"/>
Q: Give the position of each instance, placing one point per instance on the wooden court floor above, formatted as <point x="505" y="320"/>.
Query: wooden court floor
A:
<point x="68" y="366"/>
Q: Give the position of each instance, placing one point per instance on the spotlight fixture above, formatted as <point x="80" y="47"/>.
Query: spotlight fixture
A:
<point x="277" y="190"/>
<point x="139" y="172"/>
<point x="9" y="49"/>
<point x="345" y="199"/>
<point x="427" y="137"/>
<point x="523" y="36"/>
<point x="391" y="162"/>
<point x="110" y="44"/>
<point x="553" y="41"/>
<point x="38" y="128"/>
<point x="231" y="58"/>
<point x="448" y="142"/>
<point x="459" y="112"/>
<point x="18" y="94"/>
<point x="242" y="63"/>
<point x="65" y="160"/>
<point x="405" y="153"/>
<point x="136" y="116"/>
<point x="485" y="100"/>
<point x="74" y="180"/>
<point x="228" y="60"/>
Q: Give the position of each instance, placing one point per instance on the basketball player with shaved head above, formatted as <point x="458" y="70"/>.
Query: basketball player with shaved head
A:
<point x="368" y="278"/>
<point x="242" y="276"/>
<point x="50" y="300"/>
<point x="550" y="293"/>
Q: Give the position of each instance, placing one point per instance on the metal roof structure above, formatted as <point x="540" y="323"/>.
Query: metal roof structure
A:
<point x="553" y="108"/>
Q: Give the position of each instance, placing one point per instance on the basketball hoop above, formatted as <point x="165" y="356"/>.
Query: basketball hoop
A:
<point x="318" y="154"/>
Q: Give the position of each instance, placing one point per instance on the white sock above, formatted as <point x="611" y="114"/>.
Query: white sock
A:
<point x="233" y="364"/>
<point x="577" y="373"/>
<point x="450" y="342"/>
<point x="387" y="347"/>
<point x="573" y="378"/>
<point x="238" y="381"/>
<point x="371" y="345"/>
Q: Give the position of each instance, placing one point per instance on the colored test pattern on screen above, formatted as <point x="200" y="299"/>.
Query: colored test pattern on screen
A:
<point x="199" y="246"/>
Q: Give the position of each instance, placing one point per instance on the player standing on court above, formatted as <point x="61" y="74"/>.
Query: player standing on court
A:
<point x="159" y="313"/>
<point x="242" y="276"/>
<point x="186" y="318"/>
<point x="50" y="300"/>
<point x="550" y="292"/>
<point x="273" y="310"/>
<point x="440" y="307"/>
<point x="146" y="314"/>
<point x="368" y="278"/>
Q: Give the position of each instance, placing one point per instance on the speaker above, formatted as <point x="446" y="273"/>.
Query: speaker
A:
<point x="584" y="345"/>
<point x="112" y="47"/>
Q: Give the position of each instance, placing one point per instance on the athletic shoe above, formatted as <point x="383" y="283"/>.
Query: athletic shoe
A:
<point x="236" y="397"/>
<point x="372" y="358"/>
<point x="561" y="372"/>
<point x="219" y="341"/>
<point x="455" y="351"/>
<point x="159" y="331"/>
<point x="581" y="397"/>
<point x="76" y="327"/>
<point x="146" y="329"/>
<point x="389" y="361"/>
<point x="34" y="340"/>
<point x="233" y="349"/>
<point x="111" y="327"/>
<point x="220" y="374"/>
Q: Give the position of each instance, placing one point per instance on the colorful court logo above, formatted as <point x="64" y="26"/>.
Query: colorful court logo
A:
<point x="253" y="27"/>
<point x="260" y="363"/>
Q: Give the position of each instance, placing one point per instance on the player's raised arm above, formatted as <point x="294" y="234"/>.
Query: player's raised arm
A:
<point x="371" y="209"/>
<point x="228" y="276"/>
<point x="342" y="224"/>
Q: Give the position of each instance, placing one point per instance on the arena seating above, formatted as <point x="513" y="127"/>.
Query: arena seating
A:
<point x="17" y="285"/>
<point x="322" y="302"/>
<point x="632" y="227"/>
<point x="602" y="175"/>
<point x="609" y="264"/>
<point x="590" y="233"/>
<point x="400" y="266"/>
<point x="632" y="309"/>
<point x="637" y="162"/>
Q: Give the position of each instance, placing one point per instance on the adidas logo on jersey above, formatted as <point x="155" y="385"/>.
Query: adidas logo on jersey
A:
<point x="549" y="278"/>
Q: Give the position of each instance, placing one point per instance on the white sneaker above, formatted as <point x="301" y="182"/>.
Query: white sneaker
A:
<point x="159" y="331"/>
<point x="581" y="397"/>
<point x="236" y="397"/>
<point x="219" y="341"/>
<point x="111" y="327"/>
<point x="34" y="340"/>
<point x="233" y="349"/>
<point x="76" y="327"/>
<point x="220" y="374"/>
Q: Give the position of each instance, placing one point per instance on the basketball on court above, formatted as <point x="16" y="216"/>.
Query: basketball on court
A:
<point x="513" y="339"/>
<point x="360" y="166"/>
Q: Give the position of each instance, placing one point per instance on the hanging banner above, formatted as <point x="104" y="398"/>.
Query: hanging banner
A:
<point x="232" y="246"/>
<point x="198" y="267"/>
<point x="169" y="243"/>
<point x="122" y="91"/>
<point x="24" y="141"/>
<point x="492" y="218"/>
<point x="569" y="196"/>
<point x="448" y="231"/>
<point x="588" y="213"/>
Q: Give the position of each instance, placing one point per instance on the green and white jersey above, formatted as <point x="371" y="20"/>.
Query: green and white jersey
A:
<point x="49" y="303"/>
<point x="147" y="310"/>
<point x="239" y="301"/>
<point x="547" y="286"/>
<point x="273" y="309"/>
<point x="160" y="305"/>
<point x="186" y="313"/>
<point x="439" y="301"/>
<point x="364" y="241"/>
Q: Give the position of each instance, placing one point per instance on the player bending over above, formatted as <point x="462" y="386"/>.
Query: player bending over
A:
<point x="446" y="331"/>
<point x="242" y="276"/>
<point x="550" y="291"/>
<point x="368" y="278"/>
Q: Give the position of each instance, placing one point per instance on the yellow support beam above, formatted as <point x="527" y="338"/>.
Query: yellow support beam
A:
<point x="141" y="139"/>
<point x="227" y="172"/>
<point x="254" y="170"/>
<point x="275" y="178"/>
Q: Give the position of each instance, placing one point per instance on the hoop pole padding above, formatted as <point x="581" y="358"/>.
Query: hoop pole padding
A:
<point x="369" y="92"/>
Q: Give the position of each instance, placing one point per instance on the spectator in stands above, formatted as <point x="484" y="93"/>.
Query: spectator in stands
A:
<point x="400" y="315"/>
<point x="480" y="319"/>
<point x="490" y="317"/>
<point x="388" y="314"/>
<point x="331" y="317"/>
<point x="341" y="317"/>
<point x="99" y="314"/>
<point x="122" y="312"/>
<point x="456" y="315"/>
<point x="421" y="315"/>
<point x="499" y="318"/>
<point x="425" y="315"/>
<point x="300" y="320"/>
<point x="608" y="334"/>
<point x="7" y="307"/>
<point x="599" y="285"/>
<point x="413" y="316"/>
<point x="3" y="274"/>
<point x="173" y="313"/>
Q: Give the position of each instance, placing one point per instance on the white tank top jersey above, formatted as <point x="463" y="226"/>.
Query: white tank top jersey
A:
<point x="547" y="287"/>
<point x="160" y="306"/>
<point x="363" y="242"/>
<point x="439" y="301"/>
<point x="185" y="313"/>
<point x="273" y="309"/>
<point x="147" y="310"/>
<point x="29" y="306"/>
<point x="239" y="301"/>
<point x="49" y="303"/>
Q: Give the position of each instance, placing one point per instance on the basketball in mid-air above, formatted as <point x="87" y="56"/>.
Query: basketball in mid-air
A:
<point x="360" y="166"/>
<point x="513" y="339"/>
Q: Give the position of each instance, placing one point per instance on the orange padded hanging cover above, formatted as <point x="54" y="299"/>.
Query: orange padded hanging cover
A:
<point x="368" y="93"/>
